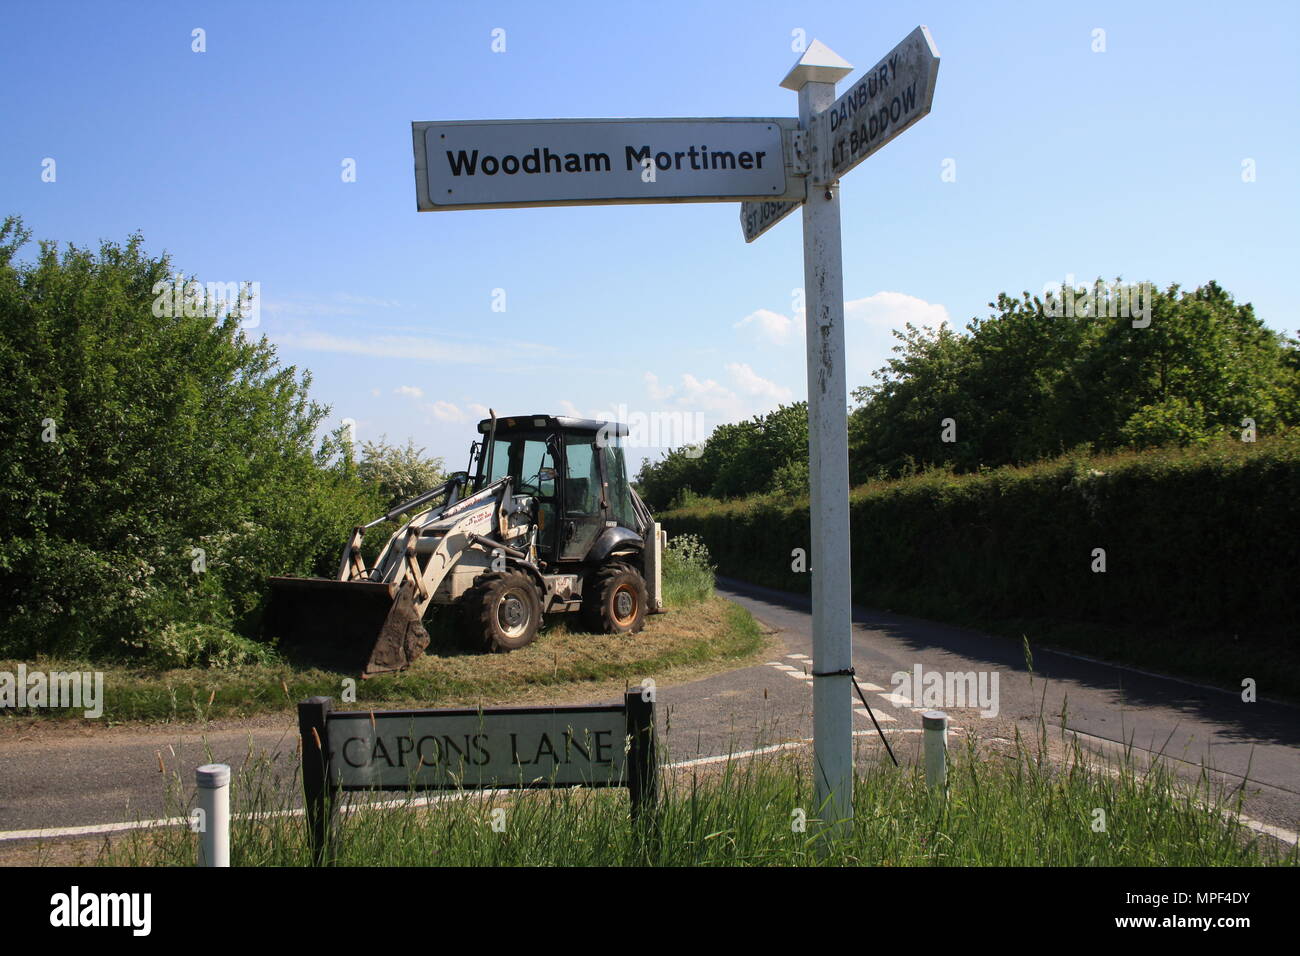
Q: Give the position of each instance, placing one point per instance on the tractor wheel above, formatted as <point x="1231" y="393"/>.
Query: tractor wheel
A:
<point x="616" y="603"/>
<point x="506" y="608"/>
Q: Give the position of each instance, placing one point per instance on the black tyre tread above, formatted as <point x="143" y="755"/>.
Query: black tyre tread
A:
<point x="481" y="616"/>
<point x="596" y="610"/>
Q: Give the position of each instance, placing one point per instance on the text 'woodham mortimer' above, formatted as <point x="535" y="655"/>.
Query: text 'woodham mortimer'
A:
<point x="543" y="161"/>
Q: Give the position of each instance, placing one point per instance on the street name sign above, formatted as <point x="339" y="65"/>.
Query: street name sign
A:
<point x="468" y="748"/>
<point x="481" y="749"/>
<point x="888" y="99"/>
<point x="582" y="162"/>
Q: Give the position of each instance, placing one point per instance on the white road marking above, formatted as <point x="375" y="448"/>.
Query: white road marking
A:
<point x="882" y="717"/>
<point x="719" y="758"/>
<point x="98" y="828"/>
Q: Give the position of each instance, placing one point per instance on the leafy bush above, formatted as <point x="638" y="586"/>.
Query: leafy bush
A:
<point x="398" y="473"/>
<point x="737" y="459"/>
<point x="791" y="479"/>
<point x="688" y="571"/>
<point x="154" y="468"/>
<point x="179" y="645"/>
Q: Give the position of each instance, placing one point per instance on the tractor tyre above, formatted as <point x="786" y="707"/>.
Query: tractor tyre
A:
<point x="506" y="610"/>
<point x="616" y="600"/>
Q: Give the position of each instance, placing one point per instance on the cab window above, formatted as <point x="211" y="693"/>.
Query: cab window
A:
<point x="526" y="459"/>
<point x="582" y="476"/>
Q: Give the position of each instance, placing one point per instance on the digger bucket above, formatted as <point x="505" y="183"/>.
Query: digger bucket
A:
<point x="366" y="625"/>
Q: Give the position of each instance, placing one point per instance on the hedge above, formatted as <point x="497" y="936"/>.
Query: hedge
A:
<point x="1201" y="549"/>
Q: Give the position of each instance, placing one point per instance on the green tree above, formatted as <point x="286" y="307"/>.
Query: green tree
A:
<point x="398" y="473"/>
<point x="154" y="468"/>
<point x="1031" y="381"/>
<point x="765" y="454"/>
<point x="898" y="422"/>
<point x="1202" y="365"/>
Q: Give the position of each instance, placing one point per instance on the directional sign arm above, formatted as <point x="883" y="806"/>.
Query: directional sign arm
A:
<point x="885" y="101"/>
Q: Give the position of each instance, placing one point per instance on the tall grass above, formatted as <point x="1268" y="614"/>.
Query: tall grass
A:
<point x="688" y="571"/>
<point x="1004" y="806"/>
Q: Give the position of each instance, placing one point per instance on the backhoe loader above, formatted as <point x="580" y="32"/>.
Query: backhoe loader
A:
<point x="543" y="520"/>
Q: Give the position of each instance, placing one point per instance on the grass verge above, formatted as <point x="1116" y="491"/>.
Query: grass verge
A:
<point x="711" y="634"/>
<point x="1007" y="804"/>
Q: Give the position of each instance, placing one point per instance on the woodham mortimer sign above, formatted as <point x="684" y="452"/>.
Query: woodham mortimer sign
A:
<point x="480" y="164"/>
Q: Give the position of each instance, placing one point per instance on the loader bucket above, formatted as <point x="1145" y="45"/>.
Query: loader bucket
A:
<point x="355" y="625"/>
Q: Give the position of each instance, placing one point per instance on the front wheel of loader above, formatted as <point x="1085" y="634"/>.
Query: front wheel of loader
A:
<point x="507" y="610"/>
<point x="617" y="600"/>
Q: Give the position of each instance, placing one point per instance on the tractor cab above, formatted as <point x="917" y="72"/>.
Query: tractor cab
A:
<point x="575" y="470"/>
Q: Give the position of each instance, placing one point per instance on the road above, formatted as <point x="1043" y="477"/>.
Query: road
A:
<point x="89" y="779"/>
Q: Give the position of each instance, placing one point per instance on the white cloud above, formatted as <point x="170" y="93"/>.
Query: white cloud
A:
<point x="893" y="310"/>
<point x="479" y="411"/>
<point x="388" y="346"/>
<point x="287" y="307"/>
<point x="745" y="393"/>
<point x="770" y="327"/>
<point x="340" y="303"/>
<point x="410" y="391"/>
<point x="445" y="411"/>
<point x="367" y="301"/>
<point x="421" y="347"/>
<point x="869" y="328"/>
<point x="570" y="409"/>
<point x="752" y="384"/>
<point x="656" y="391"/>
<point x="706" y="395"/>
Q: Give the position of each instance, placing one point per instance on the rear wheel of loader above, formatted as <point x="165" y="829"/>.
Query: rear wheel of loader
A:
<point x="507" y="610"/>
<point x="617" y="602"/>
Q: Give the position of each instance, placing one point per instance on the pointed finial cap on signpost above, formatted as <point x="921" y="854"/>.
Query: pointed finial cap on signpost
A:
<point x="819" y="64"/>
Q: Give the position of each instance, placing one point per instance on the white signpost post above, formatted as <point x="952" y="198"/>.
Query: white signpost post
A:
<point x="773" y="166"/>
<point x="893" y="95"/>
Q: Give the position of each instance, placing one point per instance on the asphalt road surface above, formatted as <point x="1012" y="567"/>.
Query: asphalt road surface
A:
<point x="56" y="781"/>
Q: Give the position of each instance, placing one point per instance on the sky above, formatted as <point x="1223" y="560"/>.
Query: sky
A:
<point x="1150" y="141"/>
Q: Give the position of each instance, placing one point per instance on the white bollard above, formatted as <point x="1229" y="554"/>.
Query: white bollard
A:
<point x="934" y="723"/>
<point x="213" y="781"/>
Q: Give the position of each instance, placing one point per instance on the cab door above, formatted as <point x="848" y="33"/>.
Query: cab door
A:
<point x="583" y="494"/>
<point x="531" y="462"/>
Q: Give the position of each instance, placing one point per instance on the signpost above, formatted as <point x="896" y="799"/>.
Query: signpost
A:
<point x="495" y="749"/>
<point x="478" y="165"/>
<point x="484" y="165"/>
<point x="893" y="95"/>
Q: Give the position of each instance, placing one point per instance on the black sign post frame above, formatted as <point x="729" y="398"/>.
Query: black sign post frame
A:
<point x="321" y="791"/>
